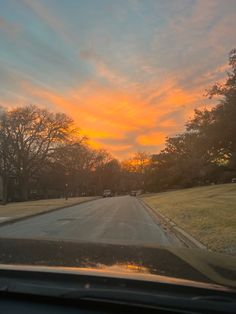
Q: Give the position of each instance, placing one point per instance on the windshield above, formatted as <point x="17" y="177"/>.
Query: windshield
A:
<point x="117" y="136"/>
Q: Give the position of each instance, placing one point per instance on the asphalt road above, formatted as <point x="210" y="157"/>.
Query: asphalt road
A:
<point x="111" y="220"/>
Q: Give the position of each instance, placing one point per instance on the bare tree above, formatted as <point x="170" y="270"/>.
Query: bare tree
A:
<point x="28" y="136"/>
<point x="6" y="168"/>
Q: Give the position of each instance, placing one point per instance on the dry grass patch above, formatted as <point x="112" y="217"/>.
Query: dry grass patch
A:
<point x="20" y="209"/>
<point x="208" y="213"/>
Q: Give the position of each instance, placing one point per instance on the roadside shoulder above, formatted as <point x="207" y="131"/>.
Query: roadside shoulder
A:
<point x="168" y="224"/>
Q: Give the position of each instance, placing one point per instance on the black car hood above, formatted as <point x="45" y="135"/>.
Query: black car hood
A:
<point x="183" y="263"/>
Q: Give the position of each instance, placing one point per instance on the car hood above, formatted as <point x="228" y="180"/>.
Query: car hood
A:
<point x="146" y="261"/>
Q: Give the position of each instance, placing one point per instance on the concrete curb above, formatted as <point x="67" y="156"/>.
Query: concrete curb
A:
<point x="17" y="219"/>
<point x="168" y="224"/>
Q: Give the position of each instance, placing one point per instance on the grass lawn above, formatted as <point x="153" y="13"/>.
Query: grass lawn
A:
<point x="20" y="209"/>
<point x="207" y="213"/>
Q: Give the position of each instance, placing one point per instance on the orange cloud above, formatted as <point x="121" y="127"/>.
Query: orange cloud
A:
<point x="152" y="139"/>
<point x="169" y="124"/>
<point x="122" y="121"/>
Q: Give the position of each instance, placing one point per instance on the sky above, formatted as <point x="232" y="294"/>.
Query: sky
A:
<point x="129" y="72"/>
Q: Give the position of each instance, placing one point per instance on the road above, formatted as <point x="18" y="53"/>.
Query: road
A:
<point x="120" y="220"/>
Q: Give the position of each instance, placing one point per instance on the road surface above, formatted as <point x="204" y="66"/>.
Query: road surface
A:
<point x="120" y="220"/>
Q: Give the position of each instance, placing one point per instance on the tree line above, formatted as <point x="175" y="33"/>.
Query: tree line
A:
<point x="205" y="152"/>
<point x="43" y="154"/>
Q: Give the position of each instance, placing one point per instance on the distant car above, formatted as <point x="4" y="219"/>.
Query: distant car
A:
<point x="233" y="180"/>
<point x="107" y="193"/>
<point x="133" y="193"/>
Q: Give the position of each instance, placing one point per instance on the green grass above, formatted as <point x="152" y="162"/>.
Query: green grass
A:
<point x="207" y="213"/>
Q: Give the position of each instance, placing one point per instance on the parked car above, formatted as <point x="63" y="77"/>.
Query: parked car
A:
<point x="233" y="180"/>
<point x="133" y="193"/>
<point x="107" y="193"/>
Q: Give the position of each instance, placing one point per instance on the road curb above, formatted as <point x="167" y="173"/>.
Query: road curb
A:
<point x="181" y="234"/>
<point x="17" y="219"/>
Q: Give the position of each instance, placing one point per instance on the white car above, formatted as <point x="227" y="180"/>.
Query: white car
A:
<point x="107" y="193"/>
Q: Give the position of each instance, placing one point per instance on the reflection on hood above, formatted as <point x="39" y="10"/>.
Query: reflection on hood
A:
<point x="195" y="265"/>
<point x="124" y="268"/>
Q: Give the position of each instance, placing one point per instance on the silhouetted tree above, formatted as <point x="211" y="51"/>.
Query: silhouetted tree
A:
<point x="29" y="134"/>
<point x="207" y="149"/>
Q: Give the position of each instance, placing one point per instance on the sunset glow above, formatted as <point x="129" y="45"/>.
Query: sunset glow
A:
<point x="130" y="73"/>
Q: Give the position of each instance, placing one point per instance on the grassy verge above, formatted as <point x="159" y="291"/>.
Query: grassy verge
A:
<point x="21" y="209"/>
<point x="207" y="213"/>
